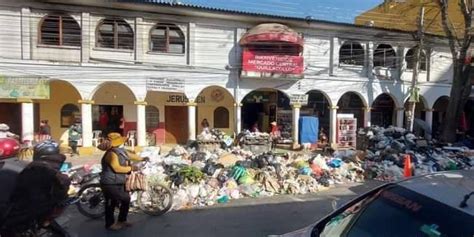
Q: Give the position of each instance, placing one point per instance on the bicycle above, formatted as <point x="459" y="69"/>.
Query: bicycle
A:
<point x="156" y="200"/>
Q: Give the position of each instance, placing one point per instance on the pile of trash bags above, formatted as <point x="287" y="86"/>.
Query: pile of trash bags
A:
<point x="205" y="178"/>
<point x="386" y="149"/>
<point x="201" y="178"/>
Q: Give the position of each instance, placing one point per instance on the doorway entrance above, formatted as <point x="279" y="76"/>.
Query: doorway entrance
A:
<point x="108" y="118"/>
<point x="176" y="124"/>
<point x="261" y="107"/>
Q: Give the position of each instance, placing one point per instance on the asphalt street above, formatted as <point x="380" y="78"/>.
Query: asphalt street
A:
<point x="243" y="217"/>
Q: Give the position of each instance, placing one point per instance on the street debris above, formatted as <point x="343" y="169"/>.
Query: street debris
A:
<point x="205" y="176"/>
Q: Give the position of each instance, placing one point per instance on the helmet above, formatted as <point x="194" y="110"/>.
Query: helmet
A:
<point x="9" y="147"/>
<point x="45" y="148"/>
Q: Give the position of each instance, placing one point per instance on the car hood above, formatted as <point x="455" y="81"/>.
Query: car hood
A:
<point x="305" y="232"/>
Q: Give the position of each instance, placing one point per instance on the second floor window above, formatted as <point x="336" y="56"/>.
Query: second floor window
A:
<point x="114" y="34"/>
<point x="351" y="53"/>
<point x="385" y="56"/>
<point x="410" y="59"/>
<point x="60" y="30"/>
<point x="167" y="38"/>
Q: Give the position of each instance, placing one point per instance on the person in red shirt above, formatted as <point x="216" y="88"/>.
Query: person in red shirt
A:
<point x="275" y="134"/>
<point x="103" y="121"/>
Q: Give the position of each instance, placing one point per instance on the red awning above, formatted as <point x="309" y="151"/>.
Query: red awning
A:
<point x="271" y="32"/>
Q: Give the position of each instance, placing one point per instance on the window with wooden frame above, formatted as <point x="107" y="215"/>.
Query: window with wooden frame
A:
<point x="385" y="56"/>
<point x="114" y="34"/>
<point x="410" y="59"/>
<point x="59" y="30"/>
<point x="221" y="117"/>
<point x="351" y="53"/>
<point x="167" y="38"/>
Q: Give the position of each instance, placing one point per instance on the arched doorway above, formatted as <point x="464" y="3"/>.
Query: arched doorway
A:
<point x="317" y="106"/>
<point x="352" y="103"/>
<point x="439" y="113"/>
<point x="170" y="106"/>
<point x="382" y="113"/>
<point x="61" y="110"/>
<point x="261" y="107"/>
<point x="217" y="107"/>
<point x="114" y="109"/>
<point x="419" y="115"/>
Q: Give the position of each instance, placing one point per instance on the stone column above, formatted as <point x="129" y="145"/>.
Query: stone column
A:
<point x="86" y="116"/>
<point x="141" y="123"/>
<point x="367" y="116"/>
<point x="296" y="124"/>
<point x="191" y="120"/>
<point x="333" y="126"/>
<point x="400" y="117"/>
<point x="238" y="117"/>
<point x="27" y="120"/>
<point x="429" y="121"/>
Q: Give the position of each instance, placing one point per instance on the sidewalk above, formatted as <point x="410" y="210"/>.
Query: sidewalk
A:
<point x="97" y="155"/>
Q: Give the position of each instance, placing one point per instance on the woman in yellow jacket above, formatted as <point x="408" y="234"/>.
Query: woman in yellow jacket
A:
<point x="115" y="167"/>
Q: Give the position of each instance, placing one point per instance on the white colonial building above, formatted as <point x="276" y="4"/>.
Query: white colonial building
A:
<point x="164" y="68"/>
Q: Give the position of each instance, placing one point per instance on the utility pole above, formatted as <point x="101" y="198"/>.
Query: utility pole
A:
<point x="414" y="94"/>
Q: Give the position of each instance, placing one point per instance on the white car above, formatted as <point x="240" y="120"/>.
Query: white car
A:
<point x="434" y="205"/>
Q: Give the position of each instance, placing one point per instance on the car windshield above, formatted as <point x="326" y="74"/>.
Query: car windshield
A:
<point x="397" y="211"/>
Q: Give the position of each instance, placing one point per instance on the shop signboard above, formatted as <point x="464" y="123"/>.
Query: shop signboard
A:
<point x="26" y="87"/>
<point x="182" y="99"/>
<point x="257" y="64"/>
<point x="299" y="99"/>
<point x="165" y="84"/>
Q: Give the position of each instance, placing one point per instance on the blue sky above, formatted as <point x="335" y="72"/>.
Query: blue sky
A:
<point x="330" y="10"/>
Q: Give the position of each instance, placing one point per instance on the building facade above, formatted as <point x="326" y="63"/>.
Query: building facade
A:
<point x="157" y="70"/>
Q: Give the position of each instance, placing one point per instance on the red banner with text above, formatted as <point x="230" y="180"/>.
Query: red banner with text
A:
<point x="272" y="63"/>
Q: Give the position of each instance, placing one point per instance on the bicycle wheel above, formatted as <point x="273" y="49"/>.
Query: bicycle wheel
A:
<point x="91" y="201"/>
<point x="156" y="200"/>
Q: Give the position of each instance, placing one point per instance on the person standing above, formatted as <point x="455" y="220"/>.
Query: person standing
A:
<point x="275" y="134"/>
<point x="103" y="121"/>
<point x="114" y="120"/>
<point x="115" y="167"/>
<point x="44" y="132"/>
<point x="205" y="126"/>
<point x="75" y="134"/>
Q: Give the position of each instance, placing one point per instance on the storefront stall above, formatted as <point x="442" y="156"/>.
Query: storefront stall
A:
<point x="271" y="52"/>
<point x="19" y="108"/>
<point x="382" y="113"/>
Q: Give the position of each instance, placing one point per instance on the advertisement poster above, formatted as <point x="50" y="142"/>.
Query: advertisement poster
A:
<point x="12" y="87"/>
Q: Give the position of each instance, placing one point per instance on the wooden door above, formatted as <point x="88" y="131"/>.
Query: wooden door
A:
<point x="176" y="124"/>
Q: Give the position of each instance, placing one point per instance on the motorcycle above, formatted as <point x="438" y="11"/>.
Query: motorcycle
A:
<point x="90" y="201"/>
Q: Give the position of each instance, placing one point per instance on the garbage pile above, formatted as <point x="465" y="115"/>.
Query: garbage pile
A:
<point x="211" y="140"/>
<point x="386" y="149"/>
<point x="205" y="178"/>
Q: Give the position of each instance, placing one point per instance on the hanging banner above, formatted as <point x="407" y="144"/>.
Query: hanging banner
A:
<point x="271" y="65"/>
<point x="165" y="84"/>
<point x="13" y="87"/>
